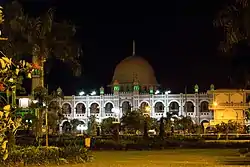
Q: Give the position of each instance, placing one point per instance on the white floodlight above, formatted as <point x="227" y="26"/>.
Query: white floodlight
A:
<point x="81" y="93"/>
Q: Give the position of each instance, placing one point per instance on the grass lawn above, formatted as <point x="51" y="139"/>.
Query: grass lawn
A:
<point x="167" y="158"/>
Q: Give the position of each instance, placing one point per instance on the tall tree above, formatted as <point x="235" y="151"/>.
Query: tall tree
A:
<point x="233" y="20"/>
<point x="41" y="37"/>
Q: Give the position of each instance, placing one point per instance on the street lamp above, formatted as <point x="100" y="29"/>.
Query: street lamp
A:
<point x="81" y="93"/>
<point x="117" y="113"/>
<point x="81" y="128"/>
<point x="93" y="93"/>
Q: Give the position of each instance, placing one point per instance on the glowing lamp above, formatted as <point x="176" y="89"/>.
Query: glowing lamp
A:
<point x="215" y="103"/>
<point x="157" y="92"/>
<point x="167" y="92"/>
<point x="115" y="110"/>
<point x="81" y="127"/>
<point x="81" y="93"/>
<point x="147" y="108"/>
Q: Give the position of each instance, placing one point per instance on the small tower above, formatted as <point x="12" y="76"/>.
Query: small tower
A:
<point x="151" y="90"/>
<point x="212" y="87"/>
<point x="196" y="88"/>
<point x="101" y="91"/>
<point x="136" y="86"/>
<point x="59" y="91"/>
<point x="116" y="87"/>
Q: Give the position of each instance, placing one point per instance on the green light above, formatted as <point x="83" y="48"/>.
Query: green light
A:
<point x="136" y="88"/>
<point x="116" y="88"/>
<point x="151" y="91"/>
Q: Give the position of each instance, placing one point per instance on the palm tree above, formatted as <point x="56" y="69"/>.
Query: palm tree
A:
<point x="234" y="20"/>
<point x="43" y="100"/>
<point x="41" y="37"/>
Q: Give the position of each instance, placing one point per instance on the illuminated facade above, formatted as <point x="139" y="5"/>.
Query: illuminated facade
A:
<point x="229" y="104"/>
<point x="134" y="86"/>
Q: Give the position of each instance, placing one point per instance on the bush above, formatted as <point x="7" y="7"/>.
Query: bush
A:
<point x="44" y="156"/>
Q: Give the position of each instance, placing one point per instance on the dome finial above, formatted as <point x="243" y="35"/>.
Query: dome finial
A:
<point x="133" y="47"/>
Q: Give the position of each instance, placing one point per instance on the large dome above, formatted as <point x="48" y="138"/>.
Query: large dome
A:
<point x="134" y="67"/>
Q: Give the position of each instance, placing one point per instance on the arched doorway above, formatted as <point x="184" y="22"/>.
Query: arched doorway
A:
<point x="202" y="125"/>
<point x="189" y="107"/>
<point x="145" y="108"/>
<point x="94" y="108"/>
<point x="66" y="127"/>
<point x="174" y="108"/>
<point x="66" y="108"/>
<point x="126" y="107"/>
<point x="80" y="108"/>
<point x="204" y="106"/>
<point x="108" y="107"/>
<point x="159" y="107"/>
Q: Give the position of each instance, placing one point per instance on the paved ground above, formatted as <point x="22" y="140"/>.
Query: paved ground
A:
<point x="167" y="158"/>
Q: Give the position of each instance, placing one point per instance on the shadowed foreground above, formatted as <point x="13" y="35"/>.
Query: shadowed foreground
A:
<point x="173" y="158"/>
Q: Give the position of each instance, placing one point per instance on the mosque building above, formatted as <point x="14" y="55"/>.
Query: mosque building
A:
<point x="134" y="86"/>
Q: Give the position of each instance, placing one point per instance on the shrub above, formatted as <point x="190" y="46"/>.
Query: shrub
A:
<point x="44" y="156"/>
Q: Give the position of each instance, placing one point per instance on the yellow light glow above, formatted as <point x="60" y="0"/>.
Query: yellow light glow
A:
<point x="215" y="103"/>
<point x="147" y="108"/>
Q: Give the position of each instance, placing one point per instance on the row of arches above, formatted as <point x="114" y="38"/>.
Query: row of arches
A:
<point x="174" y="107"/>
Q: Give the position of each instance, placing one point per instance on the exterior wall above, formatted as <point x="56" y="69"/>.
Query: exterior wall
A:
<point x="136" y="100"/>
<point x="228" y="105"/>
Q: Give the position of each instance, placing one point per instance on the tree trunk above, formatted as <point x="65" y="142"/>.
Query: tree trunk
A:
<point x="42" y="72"/>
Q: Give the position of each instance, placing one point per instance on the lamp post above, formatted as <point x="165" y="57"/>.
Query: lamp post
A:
<point x="116" y="123"/>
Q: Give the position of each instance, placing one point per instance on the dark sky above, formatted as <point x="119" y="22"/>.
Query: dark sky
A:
<point x="177" y="38"/>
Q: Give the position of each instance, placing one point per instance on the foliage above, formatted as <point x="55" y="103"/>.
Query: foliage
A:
<point x="133" y="120"/>
<point x="10" y="75"/>
<point x="8" y="128"/>
<point x="92" y="125"/>
<point x="75" y="123"/>
<point x="107" y="125"/>
<point x="40" y="36"/>
<point x="45" y="101"/>
<point x="29" y="120"/>
<point x="47" y="155"/>
<point x="231" y="126"/>
<point x="185" y="123"/>
<point x="233" y="18"/>
<point x="153" y="124"/>
<point x="162" y="129"/>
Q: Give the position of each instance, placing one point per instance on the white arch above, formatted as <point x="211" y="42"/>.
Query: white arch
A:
<point x="81" y="103"/>
<point x="93" y="103"/>
<point x="145" y="102"/>
<point x="158" y="101"/>
<point x="65" y="120"/>
<point x="204" y="120"/>
<point x="109" y="102"/>
<point x="204" y="101"/>
<point x="190" y="101"/>
<point x="67" y="103"/>
<point x="174" y="101"/>
<point x="130" y="103"/>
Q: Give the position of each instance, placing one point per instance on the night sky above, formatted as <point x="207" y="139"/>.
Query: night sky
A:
<point x="178" y="39"/>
